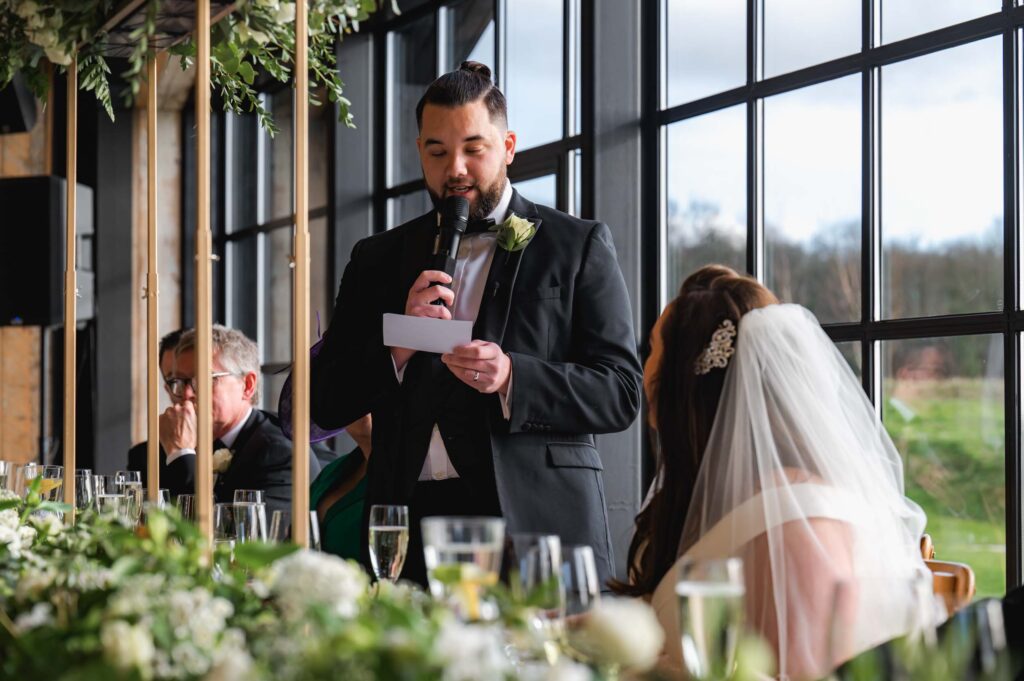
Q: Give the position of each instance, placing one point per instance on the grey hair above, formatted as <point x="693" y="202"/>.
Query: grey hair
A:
<point x="235" y="351"/>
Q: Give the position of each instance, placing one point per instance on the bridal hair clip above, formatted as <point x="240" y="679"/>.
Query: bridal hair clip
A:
<point x="719" y="350"/>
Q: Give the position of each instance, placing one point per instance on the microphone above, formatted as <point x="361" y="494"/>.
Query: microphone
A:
<point x="451" y="221"/>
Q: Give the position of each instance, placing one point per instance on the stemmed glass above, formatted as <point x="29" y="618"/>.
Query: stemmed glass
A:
<point x="389" y="539"/>
<point x="582" y="593"/>
<point x="250" y="521"/>
<point x="110" y="496"/>
<point x="711" y="594"/>
<point x="7" y="470"/>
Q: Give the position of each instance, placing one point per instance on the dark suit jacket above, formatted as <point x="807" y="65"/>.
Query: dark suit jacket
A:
<point x="261" y="459"/>
<point x="560" y="309"/>
<point x="171" y="479"/>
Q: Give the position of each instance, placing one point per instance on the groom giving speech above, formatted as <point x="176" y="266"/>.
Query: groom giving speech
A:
<point x="503" y="425"/>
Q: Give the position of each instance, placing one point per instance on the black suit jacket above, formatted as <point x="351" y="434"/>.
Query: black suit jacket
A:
<point x="173" y="478"/>
<point x="261" y="459"/>
<point x="560" y="309"/>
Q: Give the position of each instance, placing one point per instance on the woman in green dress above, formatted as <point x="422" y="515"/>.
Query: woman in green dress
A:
<point x="338" y="494"/>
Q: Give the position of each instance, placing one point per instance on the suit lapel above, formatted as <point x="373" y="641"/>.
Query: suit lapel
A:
<point x="492" y="318"/>
<point x="238" y="447"/>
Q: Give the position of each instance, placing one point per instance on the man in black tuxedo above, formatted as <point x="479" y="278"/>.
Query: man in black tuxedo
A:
<point x="137" y="455"/>
<point x="250" y="450"/>
<point x="504" y="425"/>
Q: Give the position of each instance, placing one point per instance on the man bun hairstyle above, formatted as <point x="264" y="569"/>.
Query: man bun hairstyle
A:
<point x="468" y="83"/>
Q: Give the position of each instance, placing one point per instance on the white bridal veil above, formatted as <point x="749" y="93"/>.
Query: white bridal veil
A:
<point x="801" y="480"/>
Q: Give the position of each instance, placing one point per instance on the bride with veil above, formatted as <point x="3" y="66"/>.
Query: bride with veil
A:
<point x="769" y="450"/>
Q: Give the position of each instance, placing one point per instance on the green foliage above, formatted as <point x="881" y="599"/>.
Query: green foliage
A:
<point x="256" y="40"/>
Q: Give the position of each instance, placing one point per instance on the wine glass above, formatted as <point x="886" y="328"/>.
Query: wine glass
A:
<point x="389" y="539"/>
<point x="582" y="593"/>
<point x="281" y="528"/>
<point x="463" y="558"/>
<point x="711" y="594"/>
<point x="85" y="495"/>
<point x="255" y="499"/>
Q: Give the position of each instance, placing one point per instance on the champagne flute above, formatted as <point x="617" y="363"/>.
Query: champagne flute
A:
<point x="280" y="526"/>
<point x="582" y="593"/>
<point x="711" y="594"/>
<point x="389" y="540"/>
<point x="314" y="532"/>
<point x="255" y="498"/>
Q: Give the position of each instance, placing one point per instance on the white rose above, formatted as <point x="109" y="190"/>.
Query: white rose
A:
<point x="303" y="578"/>
<point x="285" y="13"/>
<point x="26" y="9"/>
<point x="43" y="38"/>
<point x="471" y="652"/>
<point x="58" y="56"/>
<point x="125" y="646"/>
<point x="40" y="615"/>
<point x="222" y="457"/>
<point x="623" y="631"/>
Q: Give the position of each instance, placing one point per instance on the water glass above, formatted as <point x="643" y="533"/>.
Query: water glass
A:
<point x="7" y="470"/>
<point x="85" y="495"/>
<point x="463" y="559"/>
<point x="250" y="522"/>
<point x="539" y="567"/>
<point x="52" y="479"/>
<point x="248" y="496"/>
<point x="281" y="528"/>
<point x="114" y="504"/>
<point x="711" y="594"/>
<point x="187" y="506"/>
<point x="579" y="577"/>
<point x="389" y="540"/>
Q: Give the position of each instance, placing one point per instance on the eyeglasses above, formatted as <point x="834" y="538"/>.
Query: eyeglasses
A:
<point x="176" y="386"/>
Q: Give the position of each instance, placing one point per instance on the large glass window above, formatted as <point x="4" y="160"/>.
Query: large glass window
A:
<point x="812" y="197"/>
<point x="706" y="204"/>
<point x="871" y="190"/>
<point x="942" y="198"/>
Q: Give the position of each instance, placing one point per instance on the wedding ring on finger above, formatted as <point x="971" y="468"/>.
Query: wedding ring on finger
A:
<point x="476" y="376"/>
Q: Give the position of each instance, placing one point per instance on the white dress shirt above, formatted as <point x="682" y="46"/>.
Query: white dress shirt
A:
<point x="472" y="264"/>
<point x="228" y="438"/>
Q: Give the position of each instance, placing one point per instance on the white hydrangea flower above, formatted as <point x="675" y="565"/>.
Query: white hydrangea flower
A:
<point x="48" y="524"/>
<point x="303" y="578"/>
<point x="40" y="615"/>
<point x="471" y="652"/>
<point x="126" y="646"/>
<point x="564" y="670"/>
<point x="7" y="495"/>
<point x="33" y="583"/>
<point x="623" y="631"/>
<point x="285" y="13"/>
<point x="187" y="656"/>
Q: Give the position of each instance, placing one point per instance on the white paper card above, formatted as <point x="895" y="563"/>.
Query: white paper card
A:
<point x="425" y="333"/>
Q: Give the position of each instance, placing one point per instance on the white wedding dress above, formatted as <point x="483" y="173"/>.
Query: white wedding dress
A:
<point x="801" y="481"/>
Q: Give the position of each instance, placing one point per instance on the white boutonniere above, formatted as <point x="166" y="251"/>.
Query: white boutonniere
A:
<point x="221" y="460"/>
<point x="515" y="233"/>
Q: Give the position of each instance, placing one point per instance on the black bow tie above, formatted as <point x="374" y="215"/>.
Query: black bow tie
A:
<point x="479" y="226"/>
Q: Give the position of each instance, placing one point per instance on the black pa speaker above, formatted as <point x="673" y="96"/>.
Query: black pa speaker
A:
<point x="32" y="240"/>
<point x="17" y="107"/>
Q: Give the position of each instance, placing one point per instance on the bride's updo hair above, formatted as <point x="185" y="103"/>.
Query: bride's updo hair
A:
<point x="682" y="407"/>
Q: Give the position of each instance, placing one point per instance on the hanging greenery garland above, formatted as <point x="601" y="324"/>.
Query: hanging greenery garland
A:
<point x="256" y="37"/>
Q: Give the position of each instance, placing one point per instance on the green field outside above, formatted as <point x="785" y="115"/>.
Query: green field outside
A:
<point x="950" y="433"/>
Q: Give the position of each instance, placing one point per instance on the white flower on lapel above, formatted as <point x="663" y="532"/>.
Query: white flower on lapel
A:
<point x="515" y="233"/>
<point x="221" y="460"/>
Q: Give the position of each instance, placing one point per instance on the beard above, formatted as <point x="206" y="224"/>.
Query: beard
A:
<point x="484" y="204"/>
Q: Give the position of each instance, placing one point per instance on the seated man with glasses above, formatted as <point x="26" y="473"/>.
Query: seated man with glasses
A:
<point x="250" y="450"/>
<point x="138" y="454"/>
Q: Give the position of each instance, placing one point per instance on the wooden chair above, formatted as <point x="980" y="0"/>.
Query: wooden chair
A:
<point x="927" y="547"/>
<point x="953" y="581"/>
